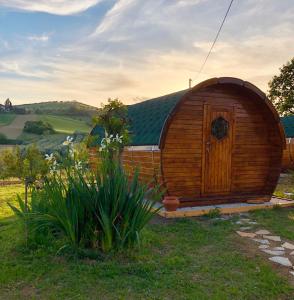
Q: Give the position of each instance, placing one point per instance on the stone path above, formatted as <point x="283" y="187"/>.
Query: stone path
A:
<point x="279" y="251"/>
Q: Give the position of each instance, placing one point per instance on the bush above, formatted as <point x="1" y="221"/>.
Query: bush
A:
<point x="5" y="141"/>
<point x="19" y="110"/>
<point x="100" y="210"/>
<point x="3" y="138"/>
<point x="38" y="127"/>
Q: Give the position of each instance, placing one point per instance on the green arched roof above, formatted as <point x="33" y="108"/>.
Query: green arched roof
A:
<point x="288" y="124"/>
<point x="147" y="119"/>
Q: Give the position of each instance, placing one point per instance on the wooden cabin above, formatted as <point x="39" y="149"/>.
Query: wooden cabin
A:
<point x="218" y="142"/>
<point x="288" y="154"/>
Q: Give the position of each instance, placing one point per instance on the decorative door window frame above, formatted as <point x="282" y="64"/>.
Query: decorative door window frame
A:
<point x="219" y="128"/>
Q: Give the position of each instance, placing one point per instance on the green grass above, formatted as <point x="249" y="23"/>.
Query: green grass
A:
<point x="179" y="259"/>
<point x="58" y="106"/>
<point x="66" y="124"/>
<point x="286" y="184"/>
<point x="8" y="194"/>
<point x="6" y="118"/>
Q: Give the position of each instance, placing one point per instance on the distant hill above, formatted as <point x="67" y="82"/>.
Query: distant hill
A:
<point x="72" y="108"/>
<point x="66" y="117"/>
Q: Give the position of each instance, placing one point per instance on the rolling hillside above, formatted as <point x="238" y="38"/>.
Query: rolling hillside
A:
<point x="14" y="128"/>
<point x="65" y="124"/>
<point x="66" y="118"/>
<point x="6" y="119"/>
<point x="61" y="108"/>
<point x="61" y="124"/>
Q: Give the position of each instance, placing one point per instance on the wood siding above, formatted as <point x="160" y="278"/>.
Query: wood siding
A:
<point x="288" y="155"/>
<point x="146" y="162"/>
<point x="256" y="145"/>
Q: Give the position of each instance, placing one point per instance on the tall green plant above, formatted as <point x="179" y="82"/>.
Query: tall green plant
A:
<point x="103" y="210"/>
<point x="28" y="165"/>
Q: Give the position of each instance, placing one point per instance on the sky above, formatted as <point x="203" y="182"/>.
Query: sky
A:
<point x="90" y="50"/>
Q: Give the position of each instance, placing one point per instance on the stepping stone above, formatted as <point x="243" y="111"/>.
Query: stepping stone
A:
<point x="292" y="253"/>
<point x="245" y="220"/>
<point x="261" y="241"/>
<point x="252" y="223"/>
<point x="245" y="228"/>
<point x="263" y="246"/>
<point x="272" y="238"/>
<point x="278" y="249"/>
<point x="292" y="272"/>
<point x="239" y="223"/>
<point x="288" y="246"/>
<point x="262" y="232"/>
<point x="272" y="252"/>
<point x="246" y="234"/>
<point x="284" y="261"/>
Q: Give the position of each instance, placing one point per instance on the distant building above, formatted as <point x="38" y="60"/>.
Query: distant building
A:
<point x="7" y="107"/>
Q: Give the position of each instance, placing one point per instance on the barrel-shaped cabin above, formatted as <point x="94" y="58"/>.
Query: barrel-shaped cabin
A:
<point x="288" y="154"/>
<point x="218" y="142"/>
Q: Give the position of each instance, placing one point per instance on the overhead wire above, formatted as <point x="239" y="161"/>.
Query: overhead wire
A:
<point x="215" y="39"/>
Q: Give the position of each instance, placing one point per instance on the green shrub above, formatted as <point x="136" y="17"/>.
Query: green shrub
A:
<point x="102" y="210"/>
<point x="213" y="213"/>
<point x="38" y="127"/>
<point x="3" y="138"/>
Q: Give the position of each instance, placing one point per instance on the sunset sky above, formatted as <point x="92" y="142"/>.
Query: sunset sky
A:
<point x="89" y="50"/>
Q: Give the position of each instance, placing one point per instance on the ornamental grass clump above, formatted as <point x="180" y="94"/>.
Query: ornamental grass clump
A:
<point x="103" y="209"/>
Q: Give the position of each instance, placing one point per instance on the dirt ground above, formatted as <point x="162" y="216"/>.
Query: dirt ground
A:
<point x="13" y="130"/>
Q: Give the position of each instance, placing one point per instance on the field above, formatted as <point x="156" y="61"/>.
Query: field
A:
<point x="6" y="119"/>
<point x="6" y="147"/>
<point x="66" y="117"/>
<point x="15" y="127"/>
<point x="197" y="258"/>
<point x="66" y="124"/>
<point x="59" y="105"/>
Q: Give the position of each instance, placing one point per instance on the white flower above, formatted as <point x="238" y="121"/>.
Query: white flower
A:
<point x="50" y="157"/>
<point x="78" y="165"/>
<point x="68" y="141"/>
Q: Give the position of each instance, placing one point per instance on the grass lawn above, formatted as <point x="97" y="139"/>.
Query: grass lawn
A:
<point x="178" y="259"/>
<point x="66" y="124"/>
<point x="6" y="119"/>
<point x="286" y="185"/>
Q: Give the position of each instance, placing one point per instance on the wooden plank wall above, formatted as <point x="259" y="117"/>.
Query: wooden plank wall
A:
<point x="288" y="155"/>
<point x="146" y="162"/>
<point x="182" y="152"/>
<point x="256" y="151"/>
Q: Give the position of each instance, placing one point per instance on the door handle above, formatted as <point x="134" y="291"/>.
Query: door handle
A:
<point x="207" y="146"/>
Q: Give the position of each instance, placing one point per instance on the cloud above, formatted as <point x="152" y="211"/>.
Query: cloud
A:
<point x="57" y="7"/>
<point x="142" y="49"/>
<point x="39" y="38"/>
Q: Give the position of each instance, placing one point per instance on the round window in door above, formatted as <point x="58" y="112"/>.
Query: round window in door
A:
<point x="219" y="128"/>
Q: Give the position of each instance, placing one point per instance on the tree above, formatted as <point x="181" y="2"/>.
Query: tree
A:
<point x="8" y="105"/>
<point x="113" y="119"/>
<point x="38" y="127"/>
<point x="281" y="89"/>
<point x="28" y="166"/>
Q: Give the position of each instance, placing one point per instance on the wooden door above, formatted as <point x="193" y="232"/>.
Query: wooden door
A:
<point x="217" y="149"/>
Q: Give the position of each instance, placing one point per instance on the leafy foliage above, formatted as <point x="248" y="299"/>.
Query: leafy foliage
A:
<point x="281" y="89"/>
<point x="95" y="210"/>
<point x="28" y="165"/>
<point x="103" y="210"/>
<point x="113" y="119"/>
<point x="3" y="138"/>
<point x="38" y="127"/>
